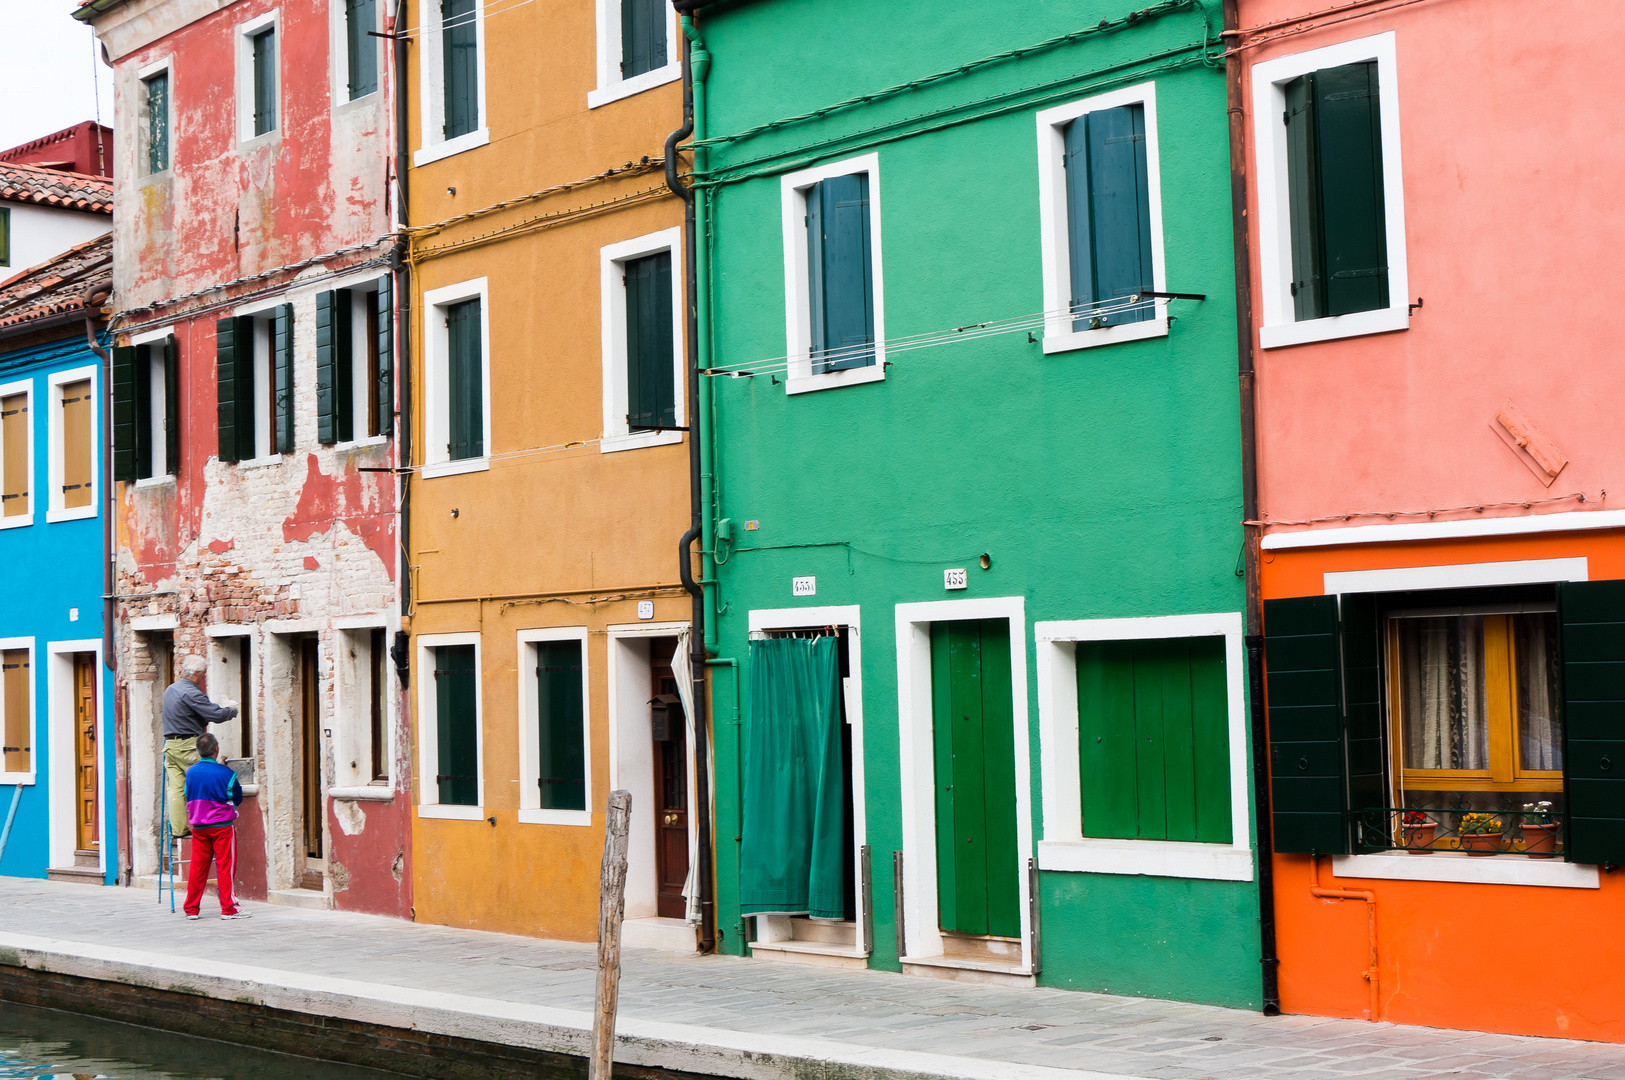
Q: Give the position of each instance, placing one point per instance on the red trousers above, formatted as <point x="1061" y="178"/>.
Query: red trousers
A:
<point x="215" y="844"/>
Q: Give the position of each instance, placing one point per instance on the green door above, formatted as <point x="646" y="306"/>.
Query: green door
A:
<point x="973" y="736"/>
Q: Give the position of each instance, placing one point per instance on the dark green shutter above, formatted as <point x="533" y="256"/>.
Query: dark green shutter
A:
<point x="562" y="750"/>
<point x="282" y="381"/>
<point x="234" y="378"/>
<point x="124" y="419"/>
<point x="1361" y="636"/>
<point x="1592" y="617"/>
<point x="643" y="36"/>
<point x="651" y="393"/>
<point x="264" y="81"/>
<point x="1075" y="160"/>
<point x="840" y="274"/>
<point x="460" y="60"/>
<point x="1108" y="214"/>
<point x="157" y="122"/>
<point x="1303" y="201"/>
<point x="385" y="389"/>
<point x="1304" y="684"/>
<point x="172" y="410"/>
<point x="456" y="720"/>
<point x="335" y="367"/>
<point x="360" y="16"/>
<point x="465" y="382"/>
<point x="143" y="412"/>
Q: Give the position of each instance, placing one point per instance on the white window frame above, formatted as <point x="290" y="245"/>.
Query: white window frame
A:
<point x="339" y="49"/>
<point x="264" y="314"/>
<point x="1270" y="77"/>
<point x="157" y="406"/>
<point x="429" y="805"/>
<point x="530" y="797"/>
<point x="353" y="712"/>
<point x="218" y="635"/>
<point x="613" y="259"/>
<point x="1064" y="847"/>
<point x="793" y="187"/>
<point x="165" y="66"/>
<point x="245" y="78"/>
<point x="611" y="87"/>
<point x="56" y="508"/>
<point x="432" y="145"/>
<point x="17" y="521"/>
<point x="64" y="792"/>
<point x="1055" y="239"/>
<point x="363" y="294"/>
<point x="437" y="377"/>
<point x="36" y="748"/>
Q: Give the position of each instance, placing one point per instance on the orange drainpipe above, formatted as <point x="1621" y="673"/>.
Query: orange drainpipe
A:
<point x="1370" y="899"/>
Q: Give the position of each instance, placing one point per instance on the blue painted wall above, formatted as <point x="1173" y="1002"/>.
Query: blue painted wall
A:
<point x="51" y="569"/>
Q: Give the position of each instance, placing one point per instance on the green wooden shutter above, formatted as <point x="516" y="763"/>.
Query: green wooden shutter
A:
<point x="143" y="412"/>
<point x="326" y="352"/>
<point x="643" y="36"/>
<point x="1119" y="209"/>
<point x="361" y="16"/>
<point x="1303" y="200"/>
<point x="172" y="410"/>
<point x="282" y="381"/>
<point x="651" y="391"/>
<point x="125" y="358"/>
<point x="562" y="749"/>
<point x="1361" y="635"/>
<point x="456" y="720"/>
<point x="1592" y="619"/>
<point x="1348" y="115"/>
<point x="465" y="381"/>
<point x="385" y="389"/>
<point x="1304" y="684"/>
<point x="157" y="89"/>
<point x="841" y="274"/>
<point x="234" y="383"/>
<point x="1075" y="159"/>
<point x="264" y="81"/>
<point x="460" y="60"/>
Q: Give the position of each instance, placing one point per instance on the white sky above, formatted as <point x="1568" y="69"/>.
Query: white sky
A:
<point x="49" y="64"/>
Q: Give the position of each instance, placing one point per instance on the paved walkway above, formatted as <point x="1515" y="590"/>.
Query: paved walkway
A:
<point x="726" y="1016"/>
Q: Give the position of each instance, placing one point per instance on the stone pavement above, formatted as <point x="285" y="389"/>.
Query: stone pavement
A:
<point x="726" y="1016"/>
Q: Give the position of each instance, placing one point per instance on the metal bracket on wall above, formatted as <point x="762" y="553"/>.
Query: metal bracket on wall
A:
<point x="897" y="899"/>
<point x="1032" y="914"/>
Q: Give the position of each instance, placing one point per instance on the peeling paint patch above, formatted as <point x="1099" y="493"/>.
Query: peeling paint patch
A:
<point x="220" y="547"/>
<point x="339" y="874"/>
<point x="311" y="563"/>
<point x="351" y="818"/>
<point x="398" y="867"/>
<point x="349" y="497"/>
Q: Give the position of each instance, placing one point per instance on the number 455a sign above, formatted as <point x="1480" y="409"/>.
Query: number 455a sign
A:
<point x="804" y="586"/>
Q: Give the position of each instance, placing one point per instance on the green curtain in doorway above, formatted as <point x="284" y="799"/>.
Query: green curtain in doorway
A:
<point x="794" y="796"/>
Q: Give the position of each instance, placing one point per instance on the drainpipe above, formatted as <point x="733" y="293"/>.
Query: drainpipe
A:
<point x="696" y="63"/>
<point x="1240" y="242"/>
<point x="403" y="324"/>
<point x="1370" y="899"/>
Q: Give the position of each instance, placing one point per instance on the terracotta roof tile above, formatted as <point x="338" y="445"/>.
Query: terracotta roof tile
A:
<point x="58" y="285"/>
<point x="52" y="187"/>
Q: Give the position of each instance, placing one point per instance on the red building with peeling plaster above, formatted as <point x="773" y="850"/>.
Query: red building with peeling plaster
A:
<point x="254" y="417"/>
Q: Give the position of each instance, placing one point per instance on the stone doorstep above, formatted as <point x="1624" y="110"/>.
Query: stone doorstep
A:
<point x="308" y="899"/>
<point x="672" y="935"/>
<point x="691" y="1048"/>
<point x="77" y="874"/>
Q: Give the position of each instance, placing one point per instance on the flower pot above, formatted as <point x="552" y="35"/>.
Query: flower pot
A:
<point x="1419" y="838"/>
<point x="1484" y="843"/>
<point x="1540" y="840"/>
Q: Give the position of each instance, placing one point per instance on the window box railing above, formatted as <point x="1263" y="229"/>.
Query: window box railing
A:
<point x="1422" y="830"/>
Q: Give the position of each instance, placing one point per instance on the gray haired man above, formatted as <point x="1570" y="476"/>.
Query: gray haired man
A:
<point x="188" y="712"/>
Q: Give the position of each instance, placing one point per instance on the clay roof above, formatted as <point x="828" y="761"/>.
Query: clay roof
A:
<point x="58" y="286"/>
<point x="53" y="187"/>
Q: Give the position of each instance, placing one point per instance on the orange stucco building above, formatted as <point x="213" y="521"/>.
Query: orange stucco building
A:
<point x="1441" y="556"/>
<point x="549" y="481"/>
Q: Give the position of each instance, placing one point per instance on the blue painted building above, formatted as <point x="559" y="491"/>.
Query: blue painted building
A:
<point x="58" y="767"/>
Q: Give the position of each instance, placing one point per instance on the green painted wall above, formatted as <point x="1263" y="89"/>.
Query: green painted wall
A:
<point x="1103" y="482"/>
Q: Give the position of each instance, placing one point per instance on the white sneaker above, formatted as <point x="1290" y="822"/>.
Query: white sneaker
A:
<point x="234" y="915"/>
<point x="193" y="918"/>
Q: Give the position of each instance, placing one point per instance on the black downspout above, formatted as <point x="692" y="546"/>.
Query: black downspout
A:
<point x="685" y="556"/>
<point x="1250" y="532"/>
<point x="403" y="330"/>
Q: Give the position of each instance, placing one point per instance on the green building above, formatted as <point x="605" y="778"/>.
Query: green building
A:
<point x="973" y="492"/>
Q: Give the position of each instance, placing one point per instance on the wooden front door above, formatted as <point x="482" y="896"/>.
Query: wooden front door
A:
<point x="973" y="736"/>
<point x="310" y="756"/>
<point x="87" y="836"/>
<point x="671" y="792"/>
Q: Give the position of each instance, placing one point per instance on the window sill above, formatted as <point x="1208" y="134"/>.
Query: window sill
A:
<point x="250" y="791"/>
<point x="16" y="522"/>
<point x="436" y="151"/>
<point x="555" y="817"/>
<point x="254" y="142"/>
<point x="1467" y="869"/>
<point x="637" y="84"/>
<point x="1358" y="324"/>
<point x="1072" y="340"/>
<point x="611" y="444"/>
<point x="154" y="481"/>
<point x="359" y="444"/>
<point x="24" y="779"/>
<point x="452" y="813"/>
<point x="371" y="97"/>
<point x="78" y="513"/>
<point x="260" y="462"/>
<point x="369" y="793"/>
<point x="830" y="380"/>
<point x="1147" y="858"/>
<point x="456" y="468"/>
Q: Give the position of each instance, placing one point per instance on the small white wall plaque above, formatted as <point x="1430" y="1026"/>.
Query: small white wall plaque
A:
<point x="646" y="609"/>
<point x="953" y="579"/>
<point x="804" y="586"/>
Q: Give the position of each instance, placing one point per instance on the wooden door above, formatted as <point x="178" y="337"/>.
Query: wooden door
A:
<point x="978" y="870"/>
<point x="310" y="757"/>
<point x="86" y="835"/>
<point x="670" y="794"/>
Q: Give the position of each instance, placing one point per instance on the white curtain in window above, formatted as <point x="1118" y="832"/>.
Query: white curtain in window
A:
<point x="683" y="674"/>
<point x="1442" y="672"/>
<point x="1540" y="744"/>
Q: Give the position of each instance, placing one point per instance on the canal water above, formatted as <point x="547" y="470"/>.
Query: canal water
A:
<point x="42" y="1043"/>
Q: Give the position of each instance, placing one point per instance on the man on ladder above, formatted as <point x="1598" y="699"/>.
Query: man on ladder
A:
<point x="188" y="712"/>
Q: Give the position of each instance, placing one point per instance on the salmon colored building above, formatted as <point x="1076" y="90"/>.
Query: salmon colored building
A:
<point x="549" y="465"/>
<point x="1442" y="553"/>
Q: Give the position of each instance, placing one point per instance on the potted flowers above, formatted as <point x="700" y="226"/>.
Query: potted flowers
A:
<point x="1539" y="830"/>
<point x="1479" y="834"/>
<point x="1418" y="830"/>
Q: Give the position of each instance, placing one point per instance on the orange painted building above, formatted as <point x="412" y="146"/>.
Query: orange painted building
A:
<point x="1442" y="553"/>
<point x="549" y="480"/>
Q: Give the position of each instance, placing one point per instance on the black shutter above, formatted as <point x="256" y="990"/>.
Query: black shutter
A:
<point x="1304" y="683"/>
<point x="233" y="380"/>
<point x="124" y="363"/>
<point x="651" y="394"/>
<point x="385" y="389"/>
<point x="1592" y="619"/>
<point x="143" y="412"/>
<point x="282" y="380"/>
<point x="1347" y="107"/>
<point x="1303" y="200"/>
<point x="172" y="412"/>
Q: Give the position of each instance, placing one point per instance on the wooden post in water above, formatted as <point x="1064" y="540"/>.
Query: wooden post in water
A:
<point x="611" y="907"/>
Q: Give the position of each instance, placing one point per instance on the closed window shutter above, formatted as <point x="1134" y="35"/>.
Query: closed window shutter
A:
<point x="1347" y="112"/>
<point x="1119" y="209"/>
<point x="651" y="394"/>
<point x="232" y="381"/>
<point x="643" y="36"/>
<point x="264" y="82"/>
<point x="385" y="390"/>
<point x="282" y="359"/>
<point x="1303" y="200"/>
<point x="1075" y="159"/>
<point x="77" y="419"/>
<point x="172" y="414"/>
<point x="455" y="720"/>
<point x="125" y="360"/>
<point x="562" y="772"/>
<point x="460" y="55"/>
<point x="157" y="122"/>
<point x="842" y="293"/>
<point x="1592" y="619"/>
<point x="360" y="16"/>
<point x="1361" y="641"/>
<point x="1304" y="685"/>
<point x="466" y="429"/>
<point x="326" y="353"/>
<point x="143" y="412"/>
